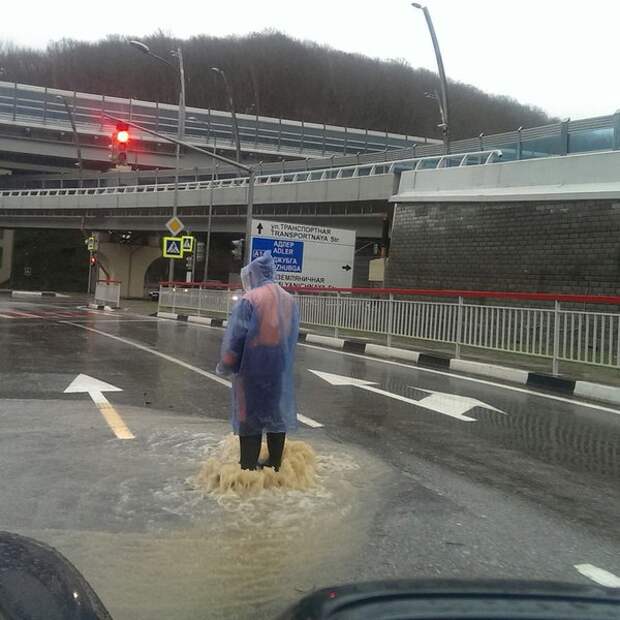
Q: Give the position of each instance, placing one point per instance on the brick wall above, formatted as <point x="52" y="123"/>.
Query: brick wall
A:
<point x="567" y="247"/>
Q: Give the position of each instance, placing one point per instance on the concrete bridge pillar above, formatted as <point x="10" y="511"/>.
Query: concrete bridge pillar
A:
<point x="127" y="263"/>
<point x="6" y="254"/>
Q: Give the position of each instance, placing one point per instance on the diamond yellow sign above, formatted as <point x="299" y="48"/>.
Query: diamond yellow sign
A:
<point x="175" y="225"/>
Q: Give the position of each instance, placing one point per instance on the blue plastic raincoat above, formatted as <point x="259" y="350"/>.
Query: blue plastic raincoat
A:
<point x="258" y="349"/>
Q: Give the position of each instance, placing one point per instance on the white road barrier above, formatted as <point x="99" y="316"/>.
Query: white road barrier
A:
<point x="561" y="328"/>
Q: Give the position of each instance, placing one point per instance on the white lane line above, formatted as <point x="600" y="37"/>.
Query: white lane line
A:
<point x="309" y="421"/>
<point x="598" y="575"/>
<point x="142" y="347"/>
<point x="6" y="316"/>
<point x="302" y="418"/>
<point x="470" y="379"/>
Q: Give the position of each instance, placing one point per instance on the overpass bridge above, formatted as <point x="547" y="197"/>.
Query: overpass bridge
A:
<point x="36" y="134"/>
<point x="358" y="193"/>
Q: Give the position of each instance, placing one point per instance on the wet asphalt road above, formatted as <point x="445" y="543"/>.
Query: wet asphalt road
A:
<point x="528" y="489"/>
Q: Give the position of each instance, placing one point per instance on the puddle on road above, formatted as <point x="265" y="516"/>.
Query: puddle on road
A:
<point x="206" y="550"/>
<point x="222" y="476"/>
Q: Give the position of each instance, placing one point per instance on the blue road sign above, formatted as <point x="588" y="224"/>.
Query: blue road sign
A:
<point x="287" y="255"/>
<point x="173" y="247"/>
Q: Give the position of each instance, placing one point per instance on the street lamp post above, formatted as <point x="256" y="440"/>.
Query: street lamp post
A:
<point x="233" y="110"/>
<point x="443" y="102"/>
<point x="178" y="53"/>
<point x="76" y="136"/>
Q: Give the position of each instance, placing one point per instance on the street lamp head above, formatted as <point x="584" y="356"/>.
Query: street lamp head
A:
<point x="217" y="70"/>
<point x="417" y="5"/>
<point x="143" y="47"/>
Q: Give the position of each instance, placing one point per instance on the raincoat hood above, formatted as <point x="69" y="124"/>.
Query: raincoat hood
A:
<point x="260" y="271"/>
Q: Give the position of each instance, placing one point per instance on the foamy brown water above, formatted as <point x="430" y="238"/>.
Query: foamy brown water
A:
<point x="222" y="474"/>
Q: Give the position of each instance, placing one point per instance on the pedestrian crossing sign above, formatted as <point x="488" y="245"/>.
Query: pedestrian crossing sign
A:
<point x="188" y="244"/>
<point x="173" y="247"/>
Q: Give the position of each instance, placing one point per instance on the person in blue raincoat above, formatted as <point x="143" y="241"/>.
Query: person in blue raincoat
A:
<point x="258" y="350"/>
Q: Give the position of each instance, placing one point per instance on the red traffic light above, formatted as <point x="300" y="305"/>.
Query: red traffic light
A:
<point x="93" y="260"/>
<point x="122" y="133"/>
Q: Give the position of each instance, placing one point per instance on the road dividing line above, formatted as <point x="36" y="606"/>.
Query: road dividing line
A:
<point x="6" y="316"/>
<point x="598" y="575"/>
<point x="209" y="375"/>
<point x="309" y="421"/>
<point x="115" y="422"/>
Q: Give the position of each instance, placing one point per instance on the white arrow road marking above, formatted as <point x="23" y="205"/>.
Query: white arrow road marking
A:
<point x="94" y="388"/>
<point x="302" y="418"/>
<point x="451" y="375"/>
<point x="598" y="575"/>
<point x="447" y="404"/>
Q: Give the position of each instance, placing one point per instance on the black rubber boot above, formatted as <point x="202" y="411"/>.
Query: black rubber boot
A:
<point x="250" y="450"/>
<point x="275" y="444"/>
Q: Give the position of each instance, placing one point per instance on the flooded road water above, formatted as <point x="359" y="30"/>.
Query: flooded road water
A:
<point x="243" y="553"/>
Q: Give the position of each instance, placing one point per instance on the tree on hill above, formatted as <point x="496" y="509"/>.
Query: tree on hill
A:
<point x="275" y="75"/>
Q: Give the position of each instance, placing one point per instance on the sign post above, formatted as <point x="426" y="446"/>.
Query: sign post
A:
<point x="188" y="242"/>
<point x="306" y="255"/>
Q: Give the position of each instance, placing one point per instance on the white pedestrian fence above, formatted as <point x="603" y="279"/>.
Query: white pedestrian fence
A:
<point x="108" y="293"/>
<point x="561" y="328"/>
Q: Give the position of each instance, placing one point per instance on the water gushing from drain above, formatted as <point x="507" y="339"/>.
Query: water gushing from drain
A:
<point x="222" y="474"/>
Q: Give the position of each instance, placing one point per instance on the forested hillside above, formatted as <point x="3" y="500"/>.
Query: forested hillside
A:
<point x="280" y="76"/>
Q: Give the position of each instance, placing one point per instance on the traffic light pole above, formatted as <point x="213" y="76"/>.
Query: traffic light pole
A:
<point x="177" y="158"/>
<point x="90" y="272"/>
<point x="248" y="169"/>
<point x="248" y="218"/>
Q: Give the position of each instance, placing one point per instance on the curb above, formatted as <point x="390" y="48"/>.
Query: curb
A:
<point x="202" y="320"/>
<point x="32" y="293"/>
<point x="550" y="383"/>
<point x="100" y="307"/>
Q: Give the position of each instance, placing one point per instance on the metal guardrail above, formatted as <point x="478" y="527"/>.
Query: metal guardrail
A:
<point x="22" y="102"/>
<point x="600" y="133"/>
<point x="108" y="293"/>
<point x="503" y="322"/>
<point x="344" y="172"/>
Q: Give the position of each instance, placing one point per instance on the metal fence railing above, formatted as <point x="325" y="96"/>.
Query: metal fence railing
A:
<point x="108" y="293"/>
<point x="23" y="103"/>
<point x="561" y="328"/>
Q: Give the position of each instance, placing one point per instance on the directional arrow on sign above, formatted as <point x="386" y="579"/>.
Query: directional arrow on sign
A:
<point x="95" y="388"/>
<point x="447" y="404"/>
<point x="347" y="267"/>
<point x="260" y="228"/>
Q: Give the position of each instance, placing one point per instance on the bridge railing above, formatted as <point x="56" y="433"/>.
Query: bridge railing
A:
<point x="344" y="172"/>
<point x="26" y="103"/>
<point x="560" y="328"/>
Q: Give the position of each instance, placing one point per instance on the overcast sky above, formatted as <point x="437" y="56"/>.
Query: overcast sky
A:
<point x="559" y="54"/>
